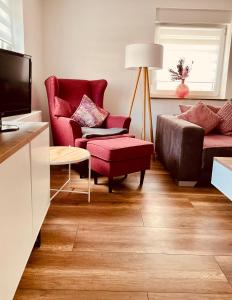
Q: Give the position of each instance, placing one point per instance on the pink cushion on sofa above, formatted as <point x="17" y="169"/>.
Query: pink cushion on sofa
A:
<point x="185" y="107"/>
<point x="201" y="115"/>
<point x="120" y="149"/>
<point x="63" y="108"/>
<point x="217" y="140"/>
<point x="88" y="114"/>
<point x="225" y="126"/>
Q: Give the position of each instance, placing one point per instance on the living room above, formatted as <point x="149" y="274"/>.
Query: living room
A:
<point x="138" y="207"/>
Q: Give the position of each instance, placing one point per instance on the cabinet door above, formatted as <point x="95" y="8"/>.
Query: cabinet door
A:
<point x="40" y="175"/>
<point x="15" y="220"/>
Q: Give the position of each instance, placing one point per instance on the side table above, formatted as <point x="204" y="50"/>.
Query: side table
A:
<point x="222" y="175"/>
<point x="62" y="155"/>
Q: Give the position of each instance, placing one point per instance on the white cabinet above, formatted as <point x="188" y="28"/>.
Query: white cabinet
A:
<point x="15" y="216"/>
<point x="24" y="200"/>
<point x="40" y="176"/>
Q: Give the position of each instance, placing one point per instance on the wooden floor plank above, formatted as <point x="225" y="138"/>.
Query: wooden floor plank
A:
<point x="57" y="237"/>
<point x="91" y="214"/>
<point x="146" y="202"/>
<point x="77" y="295"/>
<point x="173" y="296"/>
<point x="124" y="272"/>
<point x="188" y="219"/>
<point x="153" y="240"/>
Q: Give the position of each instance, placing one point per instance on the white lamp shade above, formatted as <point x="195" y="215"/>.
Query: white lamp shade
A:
<point x="144" y="55"/>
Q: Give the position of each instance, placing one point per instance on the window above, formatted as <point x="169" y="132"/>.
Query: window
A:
<point x="204" y="45"/>
<point x="11" y="25"/>
<point x="6" y="37"/>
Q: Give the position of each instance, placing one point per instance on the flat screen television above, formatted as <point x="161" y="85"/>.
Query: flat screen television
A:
<point x="15" y="85"/>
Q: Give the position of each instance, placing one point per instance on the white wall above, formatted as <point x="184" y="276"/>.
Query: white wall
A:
<point x="87" y="38"/>
<point x="33" y="45"/>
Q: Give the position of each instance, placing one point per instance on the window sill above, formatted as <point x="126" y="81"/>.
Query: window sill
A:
<point x="190" y="98"/>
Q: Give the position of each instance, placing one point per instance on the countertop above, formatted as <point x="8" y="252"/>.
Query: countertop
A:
<point x="11" y="142"/>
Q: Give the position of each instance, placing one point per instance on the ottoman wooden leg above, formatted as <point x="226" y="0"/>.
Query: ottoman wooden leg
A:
<point x="95" y="179"/>
<point x="110" y="184"/>
<point x="142" y="174"/>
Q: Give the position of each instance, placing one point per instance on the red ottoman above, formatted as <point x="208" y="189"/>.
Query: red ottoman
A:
<point x="120" y="156"/>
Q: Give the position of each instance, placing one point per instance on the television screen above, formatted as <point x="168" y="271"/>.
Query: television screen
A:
<point x="15" y="83"/>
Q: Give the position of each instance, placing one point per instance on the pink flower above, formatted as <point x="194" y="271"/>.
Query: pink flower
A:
<point x="182" y="71"/>
<point x="185" y="72"/>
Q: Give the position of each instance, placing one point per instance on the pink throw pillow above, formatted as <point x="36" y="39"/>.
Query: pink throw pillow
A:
<point x="184" y="108"/>
<point x="225" y="126"/>
<point x="201" y="115"/>
<point x="88" y="114"/>
<point x="214" y="108"/>
<point x="63" y="108"/>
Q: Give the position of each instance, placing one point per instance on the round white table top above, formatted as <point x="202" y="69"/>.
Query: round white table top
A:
<point x="63" y="155"/>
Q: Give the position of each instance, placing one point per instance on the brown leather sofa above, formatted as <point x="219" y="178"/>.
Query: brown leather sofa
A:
<point x="186" y="152"/>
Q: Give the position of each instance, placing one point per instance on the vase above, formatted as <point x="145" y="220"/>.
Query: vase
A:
<point x="182" y="90"/>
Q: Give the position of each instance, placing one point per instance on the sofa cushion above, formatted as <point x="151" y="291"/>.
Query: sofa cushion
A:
<point x="63" y="108"/>
<point x="214" y="145"/>
<point x="88" y="114"/>
<point x="217" y="140"/>
<point x="225" y="126"/>
<point x="185" y="107"/>
<point x="201" y="115"/>
<point x="120" y="149"/>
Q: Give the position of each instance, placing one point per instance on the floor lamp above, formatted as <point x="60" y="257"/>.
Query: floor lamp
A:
<point x="142" y="57"/>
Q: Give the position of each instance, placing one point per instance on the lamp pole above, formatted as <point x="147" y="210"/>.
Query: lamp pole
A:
<point x="146" y="101"/>
<point x="141" y="57"/>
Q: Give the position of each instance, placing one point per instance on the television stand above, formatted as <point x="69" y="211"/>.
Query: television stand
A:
<point x="7" y="127"/>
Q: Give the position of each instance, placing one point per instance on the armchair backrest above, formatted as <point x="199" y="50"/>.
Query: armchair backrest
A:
<point x="72" y="90"/>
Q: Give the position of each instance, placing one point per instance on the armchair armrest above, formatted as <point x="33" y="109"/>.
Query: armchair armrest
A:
<point x="117" y="122"/>
<point x="179" y="146"/>
<point x="66" y="131"/>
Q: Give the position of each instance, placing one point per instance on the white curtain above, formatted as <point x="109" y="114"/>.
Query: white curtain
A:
<point x="11" y="25"/>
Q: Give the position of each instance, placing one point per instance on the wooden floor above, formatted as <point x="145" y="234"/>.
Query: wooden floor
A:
<point x="159" y="243"/>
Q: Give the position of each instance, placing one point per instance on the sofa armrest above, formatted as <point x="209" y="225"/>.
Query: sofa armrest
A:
<point x="117" y="122"/>
<point x="179" y="146"/>
<point x="66" y="131"/>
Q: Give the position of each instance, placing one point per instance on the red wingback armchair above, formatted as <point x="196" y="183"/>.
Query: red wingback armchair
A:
<point x="65" y="130"/>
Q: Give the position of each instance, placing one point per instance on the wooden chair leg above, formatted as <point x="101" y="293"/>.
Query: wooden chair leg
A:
<point x="142" y="174"/>
<point x="110" y="184"/>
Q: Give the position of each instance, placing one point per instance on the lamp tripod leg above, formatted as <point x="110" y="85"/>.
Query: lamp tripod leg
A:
<point x="135" y="90"/>
<point x="144" y="102"/>
<point x="149" y="107"/>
